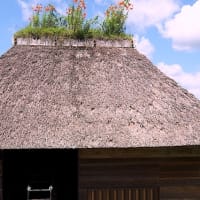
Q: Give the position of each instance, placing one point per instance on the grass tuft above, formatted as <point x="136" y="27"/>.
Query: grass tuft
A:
<point x="62" y="32"/>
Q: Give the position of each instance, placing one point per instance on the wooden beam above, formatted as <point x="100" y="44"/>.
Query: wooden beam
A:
<point x="154" y="152"/>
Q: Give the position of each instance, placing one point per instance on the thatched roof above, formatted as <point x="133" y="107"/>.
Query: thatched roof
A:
<point x="64" y="97"/>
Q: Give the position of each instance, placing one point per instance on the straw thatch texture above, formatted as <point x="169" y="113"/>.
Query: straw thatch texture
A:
<point x="66" y="97"/>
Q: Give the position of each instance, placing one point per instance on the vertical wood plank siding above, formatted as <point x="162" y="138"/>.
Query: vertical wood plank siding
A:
<point x="121" y="194"/>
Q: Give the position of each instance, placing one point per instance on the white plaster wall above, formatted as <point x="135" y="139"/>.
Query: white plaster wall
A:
<point x="74" y="43"/>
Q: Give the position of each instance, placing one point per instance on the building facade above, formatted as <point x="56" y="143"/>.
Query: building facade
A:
<point x="94" y="123"/>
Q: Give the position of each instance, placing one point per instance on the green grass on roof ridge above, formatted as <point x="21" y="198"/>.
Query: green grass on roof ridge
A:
<point x="62" y="32"/>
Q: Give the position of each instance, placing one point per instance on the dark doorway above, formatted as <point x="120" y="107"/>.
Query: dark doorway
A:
<point x="40" y="169"/>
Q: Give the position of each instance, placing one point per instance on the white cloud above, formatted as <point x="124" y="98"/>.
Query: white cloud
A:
<point x="98" y="1"/>
<point x="184" y="28"/>
<point x="190" y="81"/>
<point x="148" y="13"/>
<point x="61" y="7"/>
<point x="26" y="9"/>
<point x="26" y="6"/>
<point x="144" y="46"/>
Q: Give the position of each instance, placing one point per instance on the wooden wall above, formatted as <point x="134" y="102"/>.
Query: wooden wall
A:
<point x="1" y="174"/>
<point x="180" y="178"/>
<point x="137" y="174"/>
<point x="140" y="174"/>
<point x="118" y="179"/>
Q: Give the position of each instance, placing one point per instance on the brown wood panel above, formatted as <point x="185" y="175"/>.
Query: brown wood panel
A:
<point x="180" y="179"/>
<point x="117" y="173"/>
<point x="120" y="194"/>
<point x="180" y="172"/>
<point x="1" y="175"/>
<point x="118" y="179"/>
<point x="180" y="192"/>
<point x="177" y="176"/>
<point x="157" y="152"/>
<point x="1" y="183"/>
<point x="1" y="168"/>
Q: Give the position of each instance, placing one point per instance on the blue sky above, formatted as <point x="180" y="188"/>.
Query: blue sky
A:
<point x="166" y="31"/>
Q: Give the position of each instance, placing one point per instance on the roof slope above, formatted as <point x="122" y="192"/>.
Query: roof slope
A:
<point x="66" y="97"/>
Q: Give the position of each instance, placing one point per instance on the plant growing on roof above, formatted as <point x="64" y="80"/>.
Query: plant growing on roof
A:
<point x="49" y="18"/>
<point x="45" y="17"/>
<point x="116" y="15"/>
<point x="46" y="21"/>
<point x="76" y="15"/>
<point x="76" y="19"/>
<point x="35" y="20"/>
